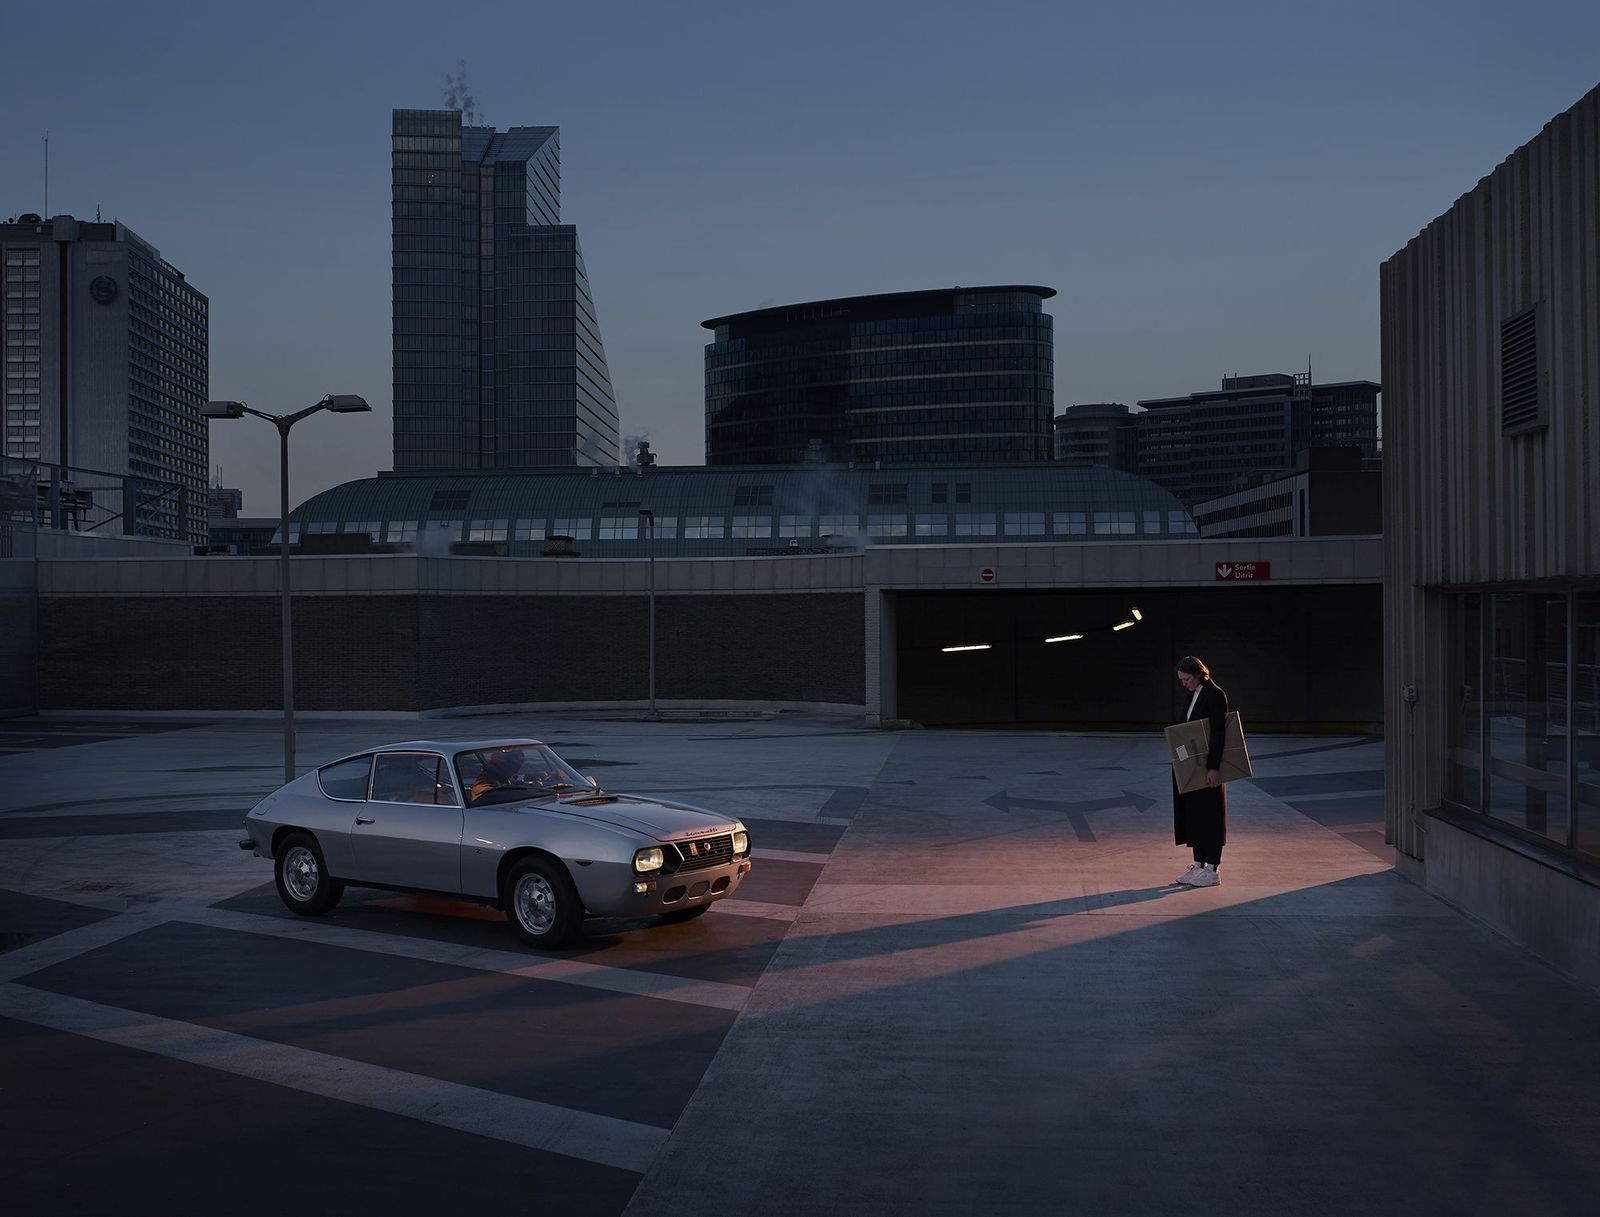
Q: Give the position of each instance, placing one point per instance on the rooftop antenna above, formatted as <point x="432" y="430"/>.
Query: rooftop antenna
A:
<point x="47" y="175"/>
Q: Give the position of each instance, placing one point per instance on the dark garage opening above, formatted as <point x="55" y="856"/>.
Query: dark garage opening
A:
<point x="1291" y="658"/>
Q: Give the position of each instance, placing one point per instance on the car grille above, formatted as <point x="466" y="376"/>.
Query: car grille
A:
<point x="704" y="851"/>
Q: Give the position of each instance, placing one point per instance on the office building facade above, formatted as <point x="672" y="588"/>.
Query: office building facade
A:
<point x="1491" y="366"/>
<point x="498" y="360"/>
<point x="955" y="375"/>
<point x="1328" y="495"/>
<point x="107" y="349"/>
<point x="1211" y="443"/>
<point x="1102" y="434"/>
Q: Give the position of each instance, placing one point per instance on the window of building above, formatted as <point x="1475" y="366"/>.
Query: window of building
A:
<point x="666" y="528"/>
<point x="752" y="526"/>
<point x="882" y="494"/>
<point x="839" y="526"/>
<point x="886" y="526"/>
<point x="1179" y="523"/>
<point x="975" y="524"/>
<point x="528" y="530"/>
<point x="794" y="526"/>
<point x="963" y="492"/>
<point x="1152" y="523"/>
<point x="578" y="528"/>
<point x="703" y="528"/>
<point x="933" y="526"/>
<point x="941" y="492"/>
<point x="1113" y="522"/>
<point x="1522" y="731"/>
<point x="619" y="528"/>
<point x="488" y="530"/>
<point x="401" y="530"/>
<point x="1024" y="523"/>
<point x="752" y="496"/>
<point x="1071" y="523"/>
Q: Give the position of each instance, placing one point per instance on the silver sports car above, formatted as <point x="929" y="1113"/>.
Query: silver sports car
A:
<point x="505" y="822"/>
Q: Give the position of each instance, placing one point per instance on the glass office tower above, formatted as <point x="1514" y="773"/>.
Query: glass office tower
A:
<point x="498" y="362"/>
<point x="956" y="374"/>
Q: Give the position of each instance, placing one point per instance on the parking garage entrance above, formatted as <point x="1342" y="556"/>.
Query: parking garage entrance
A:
<point x="1290" y="658"/>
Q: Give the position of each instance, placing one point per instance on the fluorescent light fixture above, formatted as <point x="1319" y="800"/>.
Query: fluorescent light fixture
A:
<point x="1123" y="626"/>
<point x="1065" y="638"/>
<point x="1137" y="615"/>
<point x="977" y="646"/>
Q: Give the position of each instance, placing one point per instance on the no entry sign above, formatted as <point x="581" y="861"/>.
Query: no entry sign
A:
<point x="986" y="574"/>
<point x="1235" y="572"/>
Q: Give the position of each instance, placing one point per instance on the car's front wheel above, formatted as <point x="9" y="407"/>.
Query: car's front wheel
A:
<point x="541" y="903"/>
<point x="304" y="883"/>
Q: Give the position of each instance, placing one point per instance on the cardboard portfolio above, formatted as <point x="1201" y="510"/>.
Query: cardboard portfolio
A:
<point x="1188" y="744"/>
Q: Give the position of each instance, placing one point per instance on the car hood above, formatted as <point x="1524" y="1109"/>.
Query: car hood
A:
<point x="651" y="817"/>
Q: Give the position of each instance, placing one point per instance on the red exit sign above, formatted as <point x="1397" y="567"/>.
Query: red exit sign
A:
<point x="1235" y="572"/>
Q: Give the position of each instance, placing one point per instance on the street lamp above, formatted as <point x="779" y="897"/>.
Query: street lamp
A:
<point x="339" y="403"/>
<point x="650" y="530"/>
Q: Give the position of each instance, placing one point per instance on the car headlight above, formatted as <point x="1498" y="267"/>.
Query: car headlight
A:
<point x="741" y="843"/>
<point x="646" y="861"/>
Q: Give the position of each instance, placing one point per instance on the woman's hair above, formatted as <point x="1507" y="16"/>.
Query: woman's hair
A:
<point x="1194" y="666"/>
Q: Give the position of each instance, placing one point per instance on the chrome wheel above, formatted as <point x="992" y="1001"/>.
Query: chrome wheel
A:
<point x="300" y="874"/>
<point x="534" y="901"/>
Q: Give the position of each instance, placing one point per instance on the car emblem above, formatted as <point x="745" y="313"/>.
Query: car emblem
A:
<point x="693" y="849"/>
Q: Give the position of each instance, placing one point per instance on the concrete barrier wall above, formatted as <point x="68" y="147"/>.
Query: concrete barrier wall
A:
<point x="19" y="642"/>
<point x="418" y="651"/>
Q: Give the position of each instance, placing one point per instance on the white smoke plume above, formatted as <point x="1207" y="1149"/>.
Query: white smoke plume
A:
<point x="458" y="96"/>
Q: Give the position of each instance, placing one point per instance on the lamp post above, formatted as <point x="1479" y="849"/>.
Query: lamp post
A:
<point x="650" y="530"/>
<point x="339" y="403"/>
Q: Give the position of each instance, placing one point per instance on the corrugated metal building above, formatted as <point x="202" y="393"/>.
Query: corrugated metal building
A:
<point x="1491" y="374"/>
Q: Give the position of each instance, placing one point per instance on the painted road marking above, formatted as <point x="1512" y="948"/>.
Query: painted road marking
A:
<point x="544" y="1126"/>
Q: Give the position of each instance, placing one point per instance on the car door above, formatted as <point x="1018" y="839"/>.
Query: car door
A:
<point x="409" y="832"/>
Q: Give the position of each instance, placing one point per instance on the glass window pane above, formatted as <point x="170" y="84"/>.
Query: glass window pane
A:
<point x="347" y="779"/>
<point x="1527" y="713"/>
<point x="1586" y="721"/>
<point x="409" y="777"/>
<point x="1464" y="748"/>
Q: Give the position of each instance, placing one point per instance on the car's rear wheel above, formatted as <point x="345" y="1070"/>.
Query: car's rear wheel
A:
<point x="304" y="883"/>
<point x="699" y="910"/>
<point x="541" y="903"/>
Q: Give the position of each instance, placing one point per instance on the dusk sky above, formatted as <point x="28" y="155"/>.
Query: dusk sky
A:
<point x="1209" y="187"/>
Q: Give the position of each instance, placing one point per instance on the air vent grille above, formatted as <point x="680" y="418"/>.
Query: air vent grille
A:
<point x="1519" y="372"/>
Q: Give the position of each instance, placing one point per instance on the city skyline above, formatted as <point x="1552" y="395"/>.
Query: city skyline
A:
<point x="1211" y="192"/>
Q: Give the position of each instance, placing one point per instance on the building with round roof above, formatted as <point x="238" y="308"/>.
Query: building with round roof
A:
<point x="954" y="374"/>
<point x="702" y="511"/>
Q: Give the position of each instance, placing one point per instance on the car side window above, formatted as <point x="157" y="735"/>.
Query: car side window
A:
<point x="347" y="779"/>
<point x="411" y="777"/>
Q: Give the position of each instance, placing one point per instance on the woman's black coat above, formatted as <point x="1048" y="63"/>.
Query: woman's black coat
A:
<point x="1199" y="818"/>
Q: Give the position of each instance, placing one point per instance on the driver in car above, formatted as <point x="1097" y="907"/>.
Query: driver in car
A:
<point x="499" y="771"/>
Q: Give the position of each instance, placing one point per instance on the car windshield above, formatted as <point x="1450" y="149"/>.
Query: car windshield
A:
<point x="514" y="771"/>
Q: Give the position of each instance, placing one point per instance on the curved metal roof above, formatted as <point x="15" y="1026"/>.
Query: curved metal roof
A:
<point x="884" y="303"/>
<point x="734" y="509"/>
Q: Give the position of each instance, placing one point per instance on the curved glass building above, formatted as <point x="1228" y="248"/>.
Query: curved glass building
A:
<point x="957" y="374"/>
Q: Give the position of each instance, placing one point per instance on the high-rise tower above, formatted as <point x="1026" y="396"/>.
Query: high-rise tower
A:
<point x="107" y="349"/>
<point x="498" y="362"/>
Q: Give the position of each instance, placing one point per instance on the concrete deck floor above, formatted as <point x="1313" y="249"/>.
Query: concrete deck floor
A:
<point x="982" y="992"/>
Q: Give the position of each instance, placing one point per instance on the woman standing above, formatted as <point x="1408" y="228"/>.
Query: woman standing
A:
<point x="1200" y="818"/>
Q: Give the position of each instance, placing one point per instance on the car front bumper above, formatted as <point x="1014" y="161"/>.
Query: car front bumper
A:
<point x="624" y="894"/>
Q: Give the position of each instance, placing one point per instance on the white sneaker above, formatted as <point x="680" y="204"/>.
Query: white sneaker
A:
<point x="1206" y="876"/>
<point x="1188" y="875"/>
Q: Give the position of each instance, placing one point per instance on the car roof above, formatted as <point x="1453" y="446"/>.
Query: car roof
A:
<point x="447" y="746"/>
